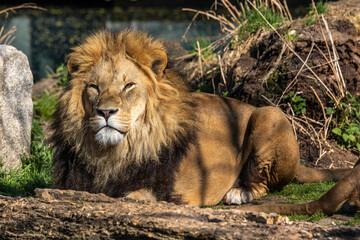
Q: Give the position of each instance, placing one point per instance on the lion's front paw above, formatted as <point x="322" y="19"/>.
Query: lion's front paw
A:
<point x="142" y="194"/>
<point x="237" y="196"/>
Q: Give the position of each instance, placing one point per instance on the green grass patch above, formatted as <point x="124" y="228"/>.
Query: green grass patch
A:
<point x="276" y="83"/>
<point x="321" y="7"/>
<point x="313" y="218"/>
<point x="204" y="43"/>
<point x="253" y="21"/>
<point x="44" y="106"/>
<point x="312" y="15"/>
<point x="36" y="170"/>
<point x="63" y="74"/>
<point x="354" y="221"/>
<point x="301" y="193"/>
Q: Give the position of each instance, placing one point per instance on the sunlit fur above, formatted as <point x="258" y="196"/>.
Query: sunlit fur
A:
<point x="233" y="150"/>
<point x="168" y="115"/>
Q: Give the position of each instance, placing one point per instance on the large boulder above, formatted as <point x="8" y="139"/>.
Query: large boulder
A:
<point x="16" y="106"/>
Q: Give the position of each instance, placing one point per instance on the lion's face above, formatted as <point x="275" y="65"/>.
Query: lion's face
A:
<point x="114" y="99"/>
<point x="122" y="107"/>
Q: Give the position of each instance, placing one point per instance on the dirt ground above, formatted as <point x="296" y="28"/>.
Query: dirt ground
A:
<point x="56" y="214"/>
<point x="341" y="217"/>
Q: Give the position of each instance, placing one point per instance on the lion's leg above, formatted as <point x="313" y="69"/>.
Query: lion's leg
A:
<point x="252" y="183"/>
<point x="271" y="157"/>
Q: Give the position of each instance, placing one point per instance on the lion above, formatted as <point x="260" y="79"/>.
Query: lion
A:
<point x="128" y="126"/>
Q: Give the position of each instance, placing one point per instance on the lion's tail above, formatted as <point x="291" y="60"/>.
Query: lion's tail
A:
<point x="309" y="175"/>
<point x="347" y="190"/>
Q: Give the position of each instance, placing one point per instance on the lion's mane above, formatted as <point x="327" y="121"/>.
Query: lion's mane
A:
<point x="148" y="155"/>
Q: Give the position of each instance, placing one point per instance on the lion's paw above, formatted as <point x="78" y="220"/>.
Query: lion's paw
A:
<point x="237" y="196"/>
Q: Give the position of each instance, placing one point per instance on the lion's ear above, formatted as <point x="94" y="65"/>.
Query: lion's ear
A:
<point x="72" y="65"/>
<point x="159" y="62"/>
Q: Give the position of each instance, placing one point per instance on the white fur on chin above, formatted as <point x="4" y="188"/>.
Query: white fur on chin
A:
<point x="108" y="136"/>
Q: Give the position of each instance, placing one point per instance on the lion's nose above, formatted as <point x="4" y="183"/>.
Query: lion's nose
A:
<point x="106" y="113"/>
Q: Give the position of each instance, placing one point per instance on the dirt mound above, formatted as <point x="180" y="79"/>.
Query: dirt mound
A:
<point x="271" y="67"/>
<point x="261" y="72"/>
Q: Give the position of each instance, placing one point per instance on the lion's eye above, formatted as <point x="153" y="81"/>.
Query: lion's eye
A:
<point x="128" y="86"/>
<point x="94" y="86"/>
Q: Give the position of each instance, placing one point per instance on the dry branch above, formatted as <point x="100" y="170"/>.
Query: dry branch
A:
<point x="7" y="38"/>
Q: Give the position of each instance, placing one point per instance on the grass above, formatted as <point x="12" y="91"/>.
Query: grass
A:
<point x="320" y="8"/>
<point x="354" y="221"/>
<point x="252" y="21"/>
<point x="63" y="74"/>
<point x="313" y="218"/>
<point x="203" y="43"/>
<point x="44" y="106"/>
<point x="36" y="169"/>
<point x="301" y="193"/>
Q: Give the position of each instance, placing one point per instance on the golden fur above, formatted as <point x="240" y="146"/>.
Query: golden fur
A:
<point x="158" y="128"/>
<point x="127" y="126"/>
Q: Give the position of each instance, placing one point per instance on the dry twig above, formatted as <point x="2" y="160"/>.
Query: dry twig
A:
<point x="7" y="38"/>
<point x="293" y="82"/>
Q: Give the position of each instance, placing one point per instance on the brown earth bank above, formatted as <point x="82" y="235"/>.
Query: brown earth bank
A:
<point x="274" y="67"/>
<point x="59" y="214"/>
<point x="259" y="71"/>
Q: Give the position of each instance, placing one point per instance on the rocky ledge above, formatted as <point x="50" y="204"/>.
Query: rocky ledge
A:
<point x="60" y="214"/>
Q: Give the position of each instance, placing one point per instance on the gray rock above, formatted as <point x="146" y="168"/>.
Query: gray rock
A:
<point x="16" y="106"/>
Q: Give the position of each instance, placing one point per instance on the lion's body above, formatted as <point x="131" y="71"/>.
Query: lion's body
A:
<point x="126" y="126"/>
<point x="230" y="133"/>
